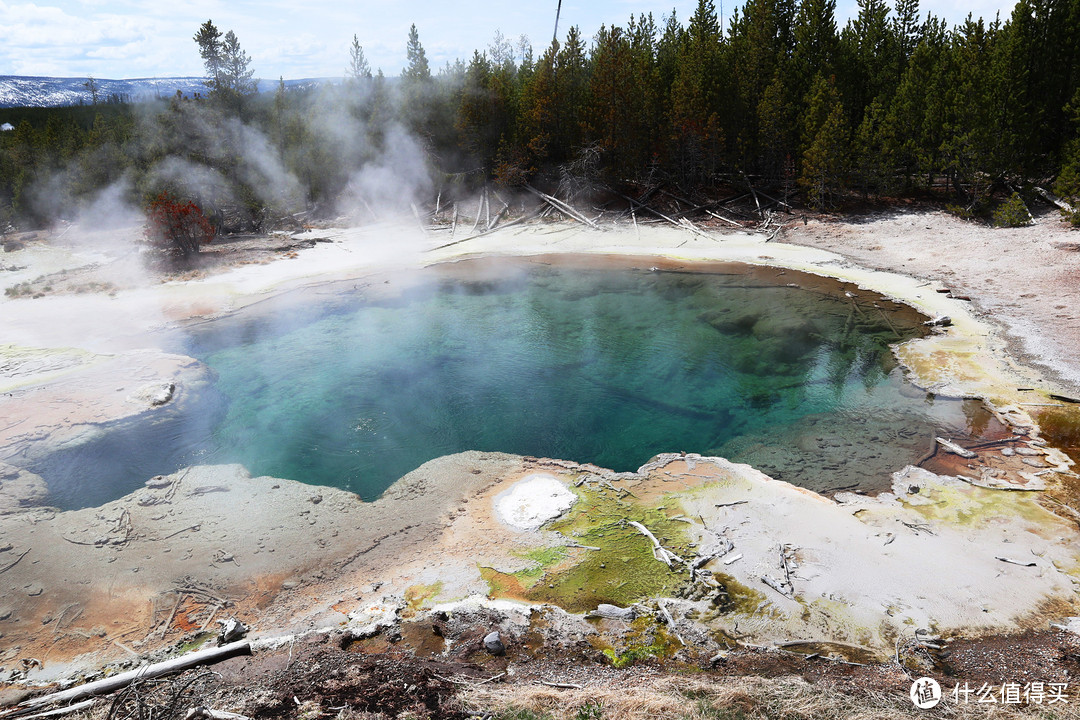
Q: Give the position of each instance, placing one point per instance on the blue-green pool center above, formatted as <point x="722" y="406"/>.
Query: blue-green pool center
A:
<point x="355" y="385"/>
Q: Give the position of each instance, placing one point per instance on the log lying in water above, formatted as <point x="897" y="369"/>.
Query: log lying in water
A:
<point x="954" y="448"/>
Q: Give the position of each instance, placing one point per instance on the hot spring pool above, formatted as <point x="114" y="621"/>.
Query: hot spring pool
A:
<point x="354" y="386"/>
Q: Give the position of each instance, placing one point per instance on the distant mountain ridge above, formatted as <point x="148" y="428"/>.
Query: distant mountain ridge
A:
<point x="29" y="91"/>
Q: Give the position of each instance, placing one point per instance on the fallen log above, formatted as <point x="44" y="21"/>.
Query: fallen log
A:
<point x="779" y="586"/>
<point x="479" y="208"/>
<point x="753" y="192"/>
<point x="1054" y="199"/>
<point x="61" y="711"/>
<point x="562" y="207"/>
<point x="209" y="714"/>
<point x="1021" y="563"/>
<point x="954" y="448"/>
<point x="516" y="221"/>
<point x="562" y="686"/>
<point x="718" y="216"/>
<point x="659" y="551"/>
<point x="692" y="228"/>
<point x="149" y="672"/>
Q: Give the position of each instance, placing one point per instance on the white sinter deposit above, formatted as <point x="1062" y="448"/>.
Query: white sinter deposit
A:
<point x="533" y="501"/>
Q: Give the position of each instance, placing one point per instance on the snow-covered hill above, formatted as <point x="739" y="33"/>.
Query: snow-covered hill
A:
<point x="25" y="91"/>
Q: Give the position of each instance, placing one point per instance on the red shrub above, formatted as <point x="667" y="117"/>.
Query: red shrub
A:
<point x="176" y="227"/>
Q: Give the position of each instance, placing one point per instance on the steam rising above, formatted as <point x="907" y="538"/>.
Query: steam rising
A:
<point x="283" y="157"/>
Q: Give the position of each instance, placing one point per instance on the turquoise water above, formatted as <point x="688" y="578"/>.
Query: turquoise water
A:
<point x="354" y="387"/>
<point x="602" y="366"/>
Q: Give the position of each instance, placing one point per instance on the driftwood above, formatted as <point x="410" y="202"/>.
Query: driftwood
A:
<point x="670" y="621"/>
<point x="562" y="207"/>
<point x="718" y="216"/>
<point x="516" y="221"/>
<point x="479" y="208"/>
<point x="753" y="192"/>
<point x="122" y="680"/>
<point x="659" y="551"/>
<point x="1021" y="563"/>
<point x="777" y="585"/>
<point x="206" y="713"/>
<point x="954" y="448"/>
<point x="688" y="226"/>
<point x="61" y="711"/>
<point x="1055" y="200"/>
<point x="562" y="686"/>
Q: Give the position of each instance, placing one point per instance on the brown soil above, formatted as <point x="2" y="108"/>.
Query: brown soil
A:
<point x="388" y="676"/>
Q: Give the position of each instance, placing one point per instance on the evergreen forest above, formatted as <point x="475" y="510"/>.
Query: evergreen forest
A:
<point x="894" y="104"/>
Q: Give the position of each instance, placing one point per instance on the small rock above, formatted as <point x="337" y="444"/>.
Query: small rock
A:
<point x="231" y="629"/>
<point x="5" y="613"/>
<point x="158" y="481"/>
<point x="162" y="394"/>
<point x="613" y="612"/>
<point x="493" y="643"/>
<point x="34" y="590"/>
<point x="940" y="321"/>
<point x="316" y="499"/>
<point x="1008" y="452"/>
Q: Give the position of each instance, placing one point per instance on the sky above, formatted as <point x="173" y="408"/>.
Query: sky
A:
<point x="120" y="39"/>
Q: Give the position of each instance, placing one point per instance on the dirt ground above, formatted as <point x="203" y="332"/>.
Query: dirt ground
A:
<point x="435" y="665"/>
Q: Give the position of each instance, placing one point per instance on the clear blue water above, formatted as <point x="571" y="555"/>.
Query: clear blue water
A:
<point x="355" y="387"/>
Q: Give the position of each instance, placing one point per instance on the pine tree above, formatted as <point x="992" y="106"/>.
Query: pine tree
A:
<point x="696" y="98"/>
<point x="761" y="44"/>
<point x="208" y="38"/>
<point x="970" y="146"/>
<point x="1067" y="184"/>
<point x="538" y="115"/>
<point x="358" y="70"/>
<point x="777" y="123"/>
<point x="816" y="43"/>
<point x="906" y="31"/>
<point x="872" y="51"/>
<point x="571" y="93"/>
<point x="416" y="86"/>
<point x="479" y="135"/>
<point x="228" y="71"/>
<point x="872" y="163"/>
<point x="824" y="162"/>
<point x="417" y="70"/>
<point x="609" y="111"/>
<point x="236" y="68"/>
<point x="915" y="123"/>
